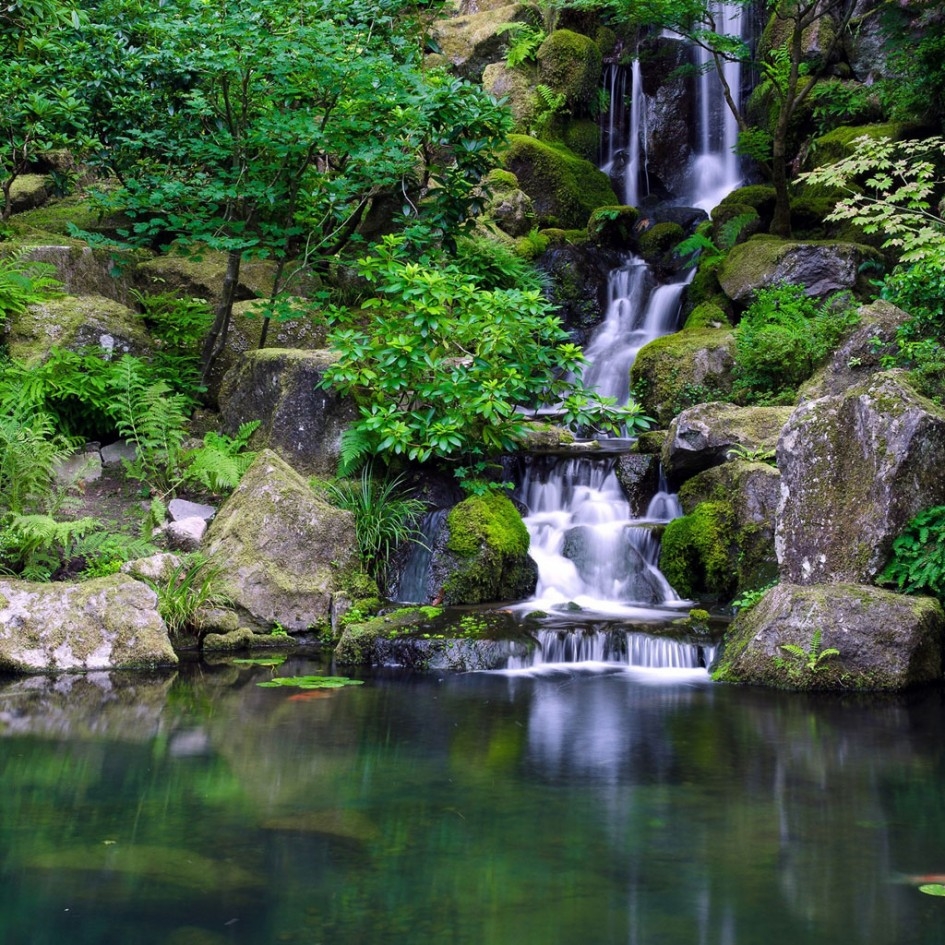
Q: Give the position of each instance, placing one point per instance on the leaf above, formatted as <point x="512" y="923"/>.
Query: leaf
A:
<point x="933" y="889"/>
<point x="310" y="682"/>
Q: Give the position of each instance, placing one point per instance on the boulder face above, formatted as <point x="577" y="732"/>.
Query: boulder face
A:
<point x="856" y="467"/>
<point x="285" y="554"/>
<point x="704" y="435"/>
<point x="821" y="267"/>
<point x="84" y="271"/>
<point x="638" y="475"/>
<point x="106" y="623"/>
<point x="883" y="640"/>
<point x="482" y="554"/>
<point x="77" y="323"/>
<point x="299" y="421"/>
<point x="470" y="42"/>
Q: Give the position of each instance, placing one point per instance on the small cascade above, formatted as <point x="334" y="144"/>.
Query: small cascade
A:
<point x="590" y="550"/>
<point x="413" y="585"/>
<point x="716" y="169"/>
<point x="615" y="646"/>
<point x="624" y="133"/>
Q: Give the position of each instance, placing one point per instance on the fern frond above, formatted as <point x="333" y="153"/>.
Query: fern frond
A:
<point x="355" y="446"/>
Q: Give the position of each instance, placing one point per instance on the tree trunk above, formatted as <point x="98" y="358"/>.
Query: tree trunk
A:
<point x="216" y="337"/>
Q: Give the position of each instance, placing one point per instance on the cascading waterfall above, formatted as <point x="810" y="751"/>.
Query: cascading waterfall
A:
<point x="624" y="133"/>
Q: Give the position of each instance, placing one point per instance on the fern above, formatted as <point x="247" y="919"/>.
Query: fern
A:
<point x="917" y="564"/>
<point x="219" y="464"/>
<point x="24" y="282"/>
<point x="36" y="546"/>
<point x="355" y="446"/>
<point x="148" y="415"/>
<point x="524" y="40"/>
<point x="30" y="451"/>
<point x="550" y="104"/>
<point x="732" y="229"/>
<point x="701" y="249"/>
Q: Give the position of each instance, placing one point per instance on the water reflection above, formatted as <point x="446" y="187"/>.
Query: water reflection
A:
<point x="602" y="805"/>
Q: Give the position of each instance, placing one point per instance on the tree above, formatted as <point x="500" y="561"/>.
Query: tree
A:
<point x="39" y="110"/>
<point x="272" y="125"/>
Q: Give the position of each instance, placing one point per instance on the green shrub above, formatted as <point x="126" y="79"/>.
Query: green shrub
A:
<point x="24" y="283"/>
<point x="193" y="585"/>
<point x="781" y="338"/>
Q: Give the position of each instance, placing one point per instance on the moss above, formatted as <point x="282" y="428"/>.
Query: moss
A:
<point x="612" y="226"/>
<point x="725" y="232"/>
<point x="500" y="182"/>
<point x="583" y="138"/>
<point x="357" y="641"/>
<point x="565" y="189"/>
<point x="658" y="242"/>
<point x="707" y="315"/>
<point x="571" y="64"/>
<point x="839" y="143"/>
<point x="651" y="442"/>
<point x="606" y="40"/>
<point x="760" y="197"/>
<point x="559" y="237"/>
<point x="695" y="553"/>
<point x="489" y="545"/>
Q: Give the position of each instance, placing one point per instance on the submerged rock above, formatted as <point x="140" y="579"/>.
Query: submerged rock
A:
<point x="285" y="554"/>
<point x="883" y="640"/>
<point x="106" y="623"/>
<point x="856" y="467"/>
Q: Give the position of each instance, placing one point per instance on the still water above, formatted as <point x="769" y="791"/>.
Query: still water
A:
<point x="561" y="807"/>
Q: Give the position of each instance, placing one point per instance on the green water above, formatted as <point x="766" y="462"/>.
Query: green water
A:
<point x="647" y="808"/>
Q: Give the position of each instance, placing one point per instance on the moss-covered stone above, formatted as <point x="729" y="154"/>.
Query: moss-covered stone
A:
<point x="470" y="42"/>
<point x="517" y="87"/>
<point x="583" y="138"/>
<point x="658" y="242"/>
<point x="696" y="549"/>
<point x="358" y="640"/>
<point x="734" y="223"/>
<point x="837" y="636"/>
<point x="841" y="142"/>
<point x="821" y="266"/>
<point x="564" y="188"/>
<point x="77" y="323"/>
<point x="707" y="315"/>
<point x="761" y="197"/>
<point x="56" y="215"/>
<point x="680" y="370"/>
<point x="613" y="226"/>
<point x="570" y="64"/>
<point x="28" y="191"/>
<point x="486" y="552"/>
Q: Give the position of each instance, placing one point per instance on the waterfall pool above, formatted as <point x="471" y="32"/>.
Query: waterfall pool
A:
<point x="594" y="804"/>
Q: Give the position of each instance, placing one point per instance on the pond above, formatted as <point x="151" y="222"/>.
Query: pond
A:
<point x="596" y="804"/>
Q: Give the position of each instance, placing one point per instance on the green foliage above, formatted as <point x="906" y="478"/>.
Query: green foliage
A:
<point x="494" y="265"/>
<point x="549" y="106"/>
<point x="105" y="553"/>
<point x="383" y="518"/>
<point x="841" y="103"/>
<point x="781" y="338"/>
<point x="814" y="657"/>
<point x="932" y="889"/>
<point x="35" y="546"/>
<point x="195" y="584"/>
<point x="219" y="464"/>
<point x="442" y="366"/>
<point x="917" y="563"/>
<point x="891" y="188"/>
<point x="153" y="419"/>
<point x="524" y="40"/>
<point x="747" y="599"/>
<point x="24" y="283"/>
<point x="30" y="451"/>
<point x="759" y="455"/>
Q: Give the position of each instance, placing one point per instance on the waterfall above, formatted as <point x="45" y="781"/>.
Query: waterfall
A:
<point x="413" y="584"/>
<point x="716" y="169"/>
<point x="624" y="132"/>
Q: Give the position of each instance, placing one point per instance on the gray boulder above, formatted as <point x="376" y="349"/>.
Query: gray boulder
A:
<point x="821" y="267"/>
<point x="284" y="553"/>
<point x="84" y="271"/>
<point x="106" y="623"/>
<point x="855" y="468"/>
<point x="884" y="640"/>
<point x="638" y="475"/>
<point x="186" y="533"/>
<point x="299" y="421"/>
<point x="703" y="436"/>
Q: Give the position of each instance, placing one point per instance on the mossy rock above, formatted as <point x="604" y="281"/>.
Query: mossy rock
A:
<point x="56" y="215"/>
<point x="680" y="370"/>
<point x="564" y="188"/>
<point x="761" y="197"/>
<point x="517" y="87"/>
<point x="657" y="244"/>
<point x="570" y="64"/>
<point x="485" y="558"/>
<point x="821" y="266"/>
<point x="583" y="138"/>
<point x="837" y="636"/>
<point x="28" y="191"/>
<point x="358" y="643"/>
<point x="734" y="223"/>
<point x="840" y="143"/>
<point x="651" y="442"/>
<point x="696" y="550"/>
<point x="708" y="315"/>
<point x="470" y="42"/>
<point x="613" y="226"/>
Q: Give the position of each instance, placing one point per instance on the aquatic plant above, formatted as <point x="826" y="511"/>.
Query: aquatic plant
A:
<point x="310" y="682"/>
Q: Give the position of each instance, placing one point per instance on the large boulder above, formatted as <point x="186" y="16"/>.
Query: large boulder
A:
<point x="481" y="556"/>
<point x="517" y="88"/>
<point x="299" y="421"/>
<point x="680" y="370"/>
<point x="724" y="542"/>
<point x="106" y="623"/>
<point x="86" y="271"/>
<point x="884" y="640"/>
<point x="564" y="188"/>
<point x="703" y="436"/>
<point x="570" y="64"/>
<point x="285" y="554"/>
<point x="856" y="467"/>
<point x="77" y="324"/>
<point x="638" y="475"/>
<point x="473" y="41"/>
<point x="861" y="353"/>
<point x="821" y="266"/>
